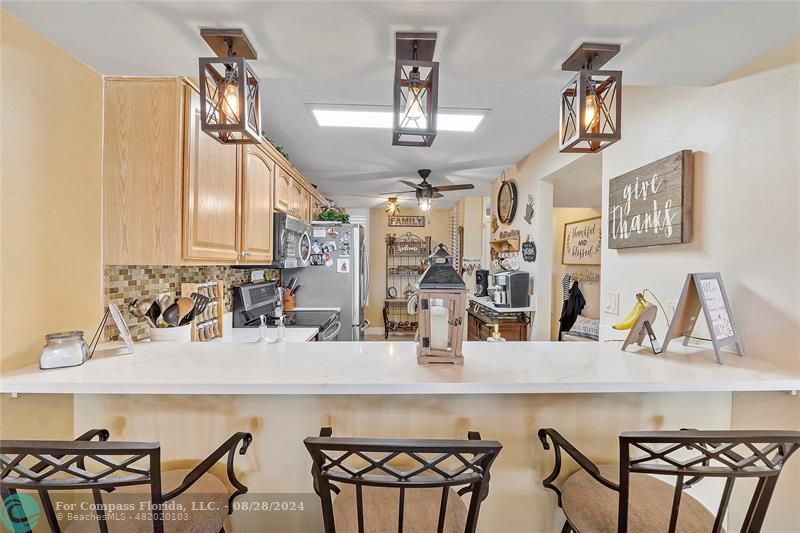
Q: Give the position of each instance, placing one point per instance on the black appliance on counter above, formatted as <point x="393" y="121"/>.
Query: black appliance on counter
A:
<point x="251" y="301"/>
<point x="481" y="283"/>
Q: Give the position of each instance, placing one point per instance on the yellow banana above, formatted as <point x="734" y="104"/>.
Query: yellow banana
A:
<point x="628" y="322"/>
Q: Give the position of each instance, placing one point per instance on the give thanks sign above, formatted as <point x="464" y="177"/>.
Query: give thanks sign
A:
<point x="652" y="205"/>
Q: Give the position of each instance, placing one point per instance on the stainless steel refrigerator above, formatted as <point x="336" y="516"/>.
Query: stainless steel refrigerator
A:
<point x="338" y="276"/>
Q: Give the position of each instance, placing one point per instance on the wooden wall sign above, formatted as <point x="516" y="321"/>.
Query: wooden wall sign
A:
<point x="706" y="291"/>
<point x="652" y="205"/>
<point x="407" y="221"/>
<point x="582" y="242"/>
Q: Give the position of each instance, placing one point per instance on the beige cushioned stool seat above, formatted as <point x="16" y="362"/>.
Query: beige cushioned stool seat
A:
<point x="382" y="505"/>
<point x="592" y="507"/>
<point x="208" y="489"/>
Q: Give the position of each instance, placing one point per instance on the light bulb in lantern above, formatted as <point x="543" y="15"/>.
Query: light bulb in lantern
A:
<point x="414" y="109"/>
<point x="231" y="96"/>
<point x="424" y="204"/>
<point x="591" y="116"/>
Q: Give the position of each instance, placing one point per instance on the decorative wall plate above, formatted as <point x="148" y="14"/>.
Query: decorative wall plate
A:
<point x="507" y="200"/>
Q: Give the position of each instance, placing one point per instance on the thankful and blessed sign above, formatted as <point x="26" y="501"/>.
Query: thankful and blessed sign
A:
<point x="407" y="221"/>
<point x="652" y="205"/>
<point x="582" y="242"/>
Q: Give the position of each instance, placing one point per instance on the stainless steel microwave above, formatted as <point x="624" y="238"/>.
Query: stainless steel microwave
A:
<point x="291" y="242"/>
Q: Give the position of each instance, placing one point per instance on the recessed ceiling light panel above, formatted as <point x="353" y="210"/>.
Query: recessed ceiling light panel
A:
<point x="372" y="117"/>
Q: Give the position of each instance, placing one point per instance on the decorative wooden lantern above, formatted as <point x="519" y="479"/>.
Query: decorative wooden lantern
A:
<point x="230" y="99"/>
<point x="591" y="103"/>
<point x="416" y="90"/>
<point x="442" y="304"/>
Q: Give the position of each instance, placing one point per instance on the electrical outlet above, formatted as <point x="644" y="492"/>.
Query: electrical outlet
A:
<point x="611" y="302"/>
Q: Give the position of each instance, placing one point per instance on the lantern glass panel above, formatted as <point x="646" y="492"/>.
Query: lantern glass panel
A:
<point x="230" y="99"/>
<point x="415" y="102"/>
<point x="590" y="111"/>
<point x="441" y="317"/>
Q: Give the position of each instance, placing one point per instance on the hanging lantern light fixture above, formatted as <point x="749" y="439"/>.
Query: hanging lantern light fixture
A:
<point x="591" y="103"/>
<point x="230" y="96"/>
<point x="416" y="89"/>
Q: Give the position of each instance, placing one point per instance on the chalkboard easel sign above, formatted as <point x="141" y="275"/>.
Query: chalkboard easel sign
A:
<point x="705" y="290"/>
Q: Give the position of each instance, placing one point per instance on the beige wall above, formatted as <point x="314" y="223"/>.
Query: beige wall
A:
<point x="590" y="291"/>
<point x="437" y="227"/>
<point x="470" y="217"/>
<point x="50" y="252"/>
<point x="52" y="107"/>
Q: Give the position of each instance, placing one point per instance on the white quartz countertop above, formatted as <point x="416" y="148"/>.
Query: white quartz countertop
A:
<point x="391" y="368"/>
<point x="486" y="301"/>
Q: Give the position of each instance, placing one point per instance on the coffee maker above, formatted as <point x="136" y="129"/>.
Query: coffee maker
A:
<point x="481" y="283"/>
<point x="511" y="289"/>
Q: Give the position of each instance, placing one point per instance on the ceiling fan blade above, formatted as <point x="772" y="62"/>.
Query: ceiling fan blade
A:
<point x="465" y="187"/>
<point x="393" y="193"/>
<point x="410" y="184"/>
<point x="437" y="195"/>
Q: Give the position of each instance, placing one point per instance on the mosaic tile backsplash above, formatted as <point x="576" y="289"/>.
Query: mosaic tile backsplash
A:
<point x="123" y="283"/>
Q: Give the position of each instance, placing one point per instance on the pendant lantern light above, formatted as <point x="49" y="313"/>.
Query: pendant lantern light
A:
<point x="416" y="90"/>
<point x="591" y="103"/>
<point x="230" y="93"/>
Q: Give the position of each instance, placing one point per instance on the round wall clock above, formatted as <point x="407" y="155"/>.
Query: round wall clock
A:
<point x="507" y="201"/>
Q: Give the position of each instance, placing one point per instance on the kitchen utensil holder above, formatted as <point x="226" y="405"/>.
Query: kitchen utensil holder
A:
<point x="216" y="308"/>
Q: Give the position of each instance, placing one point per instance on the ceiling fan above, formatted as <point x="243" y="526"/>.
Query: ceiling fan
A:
<point x="425" y="192"/>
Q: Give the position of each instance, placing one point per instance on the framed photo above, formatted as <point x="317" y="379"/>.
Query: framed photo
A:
<point x="582" y="242"/>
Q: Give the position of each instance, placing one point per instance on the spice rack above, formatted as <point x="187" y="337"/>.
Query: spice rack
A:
<point x="208" y="325"/>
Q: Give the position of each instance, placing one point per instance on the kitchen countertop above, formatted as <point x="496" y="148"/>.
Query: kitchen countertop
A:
<point x="391" y="368"/>
<point x="487" y="302"/>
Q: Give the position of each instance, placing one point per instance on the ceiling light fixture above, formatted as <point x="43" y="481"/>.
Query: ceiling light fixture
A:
<point x="230" y="96"/>
<point x="466" y="120"/>
<point x="416" y="89"/>
<point x="590" y="114"/>
<point x="392" y="206"/>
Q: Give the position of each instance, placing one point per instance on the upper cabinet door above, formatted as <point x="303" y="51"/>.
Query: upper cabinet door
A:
<point x="305" y="208"/>
<point x="210" y="193"/>
<point x="282" y="183"/>
<point x="296" y="192"/>
<point x="257" y="176"/>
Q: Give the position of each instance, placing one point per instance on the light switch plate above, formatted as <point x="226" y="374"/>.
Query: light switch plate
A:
<point x="611" y="302"/>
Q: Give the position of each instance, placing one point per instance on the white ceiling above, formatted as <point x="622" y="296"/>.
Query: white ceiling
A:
<point x="502" y="56"/>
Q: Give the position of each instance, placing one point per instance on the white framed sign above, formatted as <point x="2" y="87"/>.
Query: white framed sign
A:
<point x="582" y="242"/>
<point x="705" y="291"/>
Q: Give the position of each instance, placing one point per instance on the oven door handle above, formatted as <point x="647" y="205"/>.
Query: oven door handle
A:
<point x="328" y="335"/>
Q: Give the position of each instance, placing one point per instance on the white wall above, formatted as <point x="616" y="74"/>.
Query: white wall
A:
<point x="744" y="135"/>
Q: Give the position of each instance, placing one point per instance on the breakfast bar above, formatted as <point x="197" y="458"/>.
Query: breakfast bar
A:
<point x="390" y="368"/>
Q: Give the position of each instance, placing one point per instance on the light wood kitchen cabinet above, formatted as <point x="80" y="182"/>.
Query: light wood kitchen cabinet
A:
<point x="172" y="195"/>
<point x="283" y="182"/>
<point x="142" y="160"/>
<point x="211" y="192"/>
<point x="296" y="191"/>
<point x="256" y="200"/>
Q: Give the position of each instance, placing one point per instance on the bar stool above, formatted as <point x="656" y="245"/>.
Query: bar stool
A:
<point x="400" y="485"/>
<point x="132" y="470"/>
<point x="618" y="499"/>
